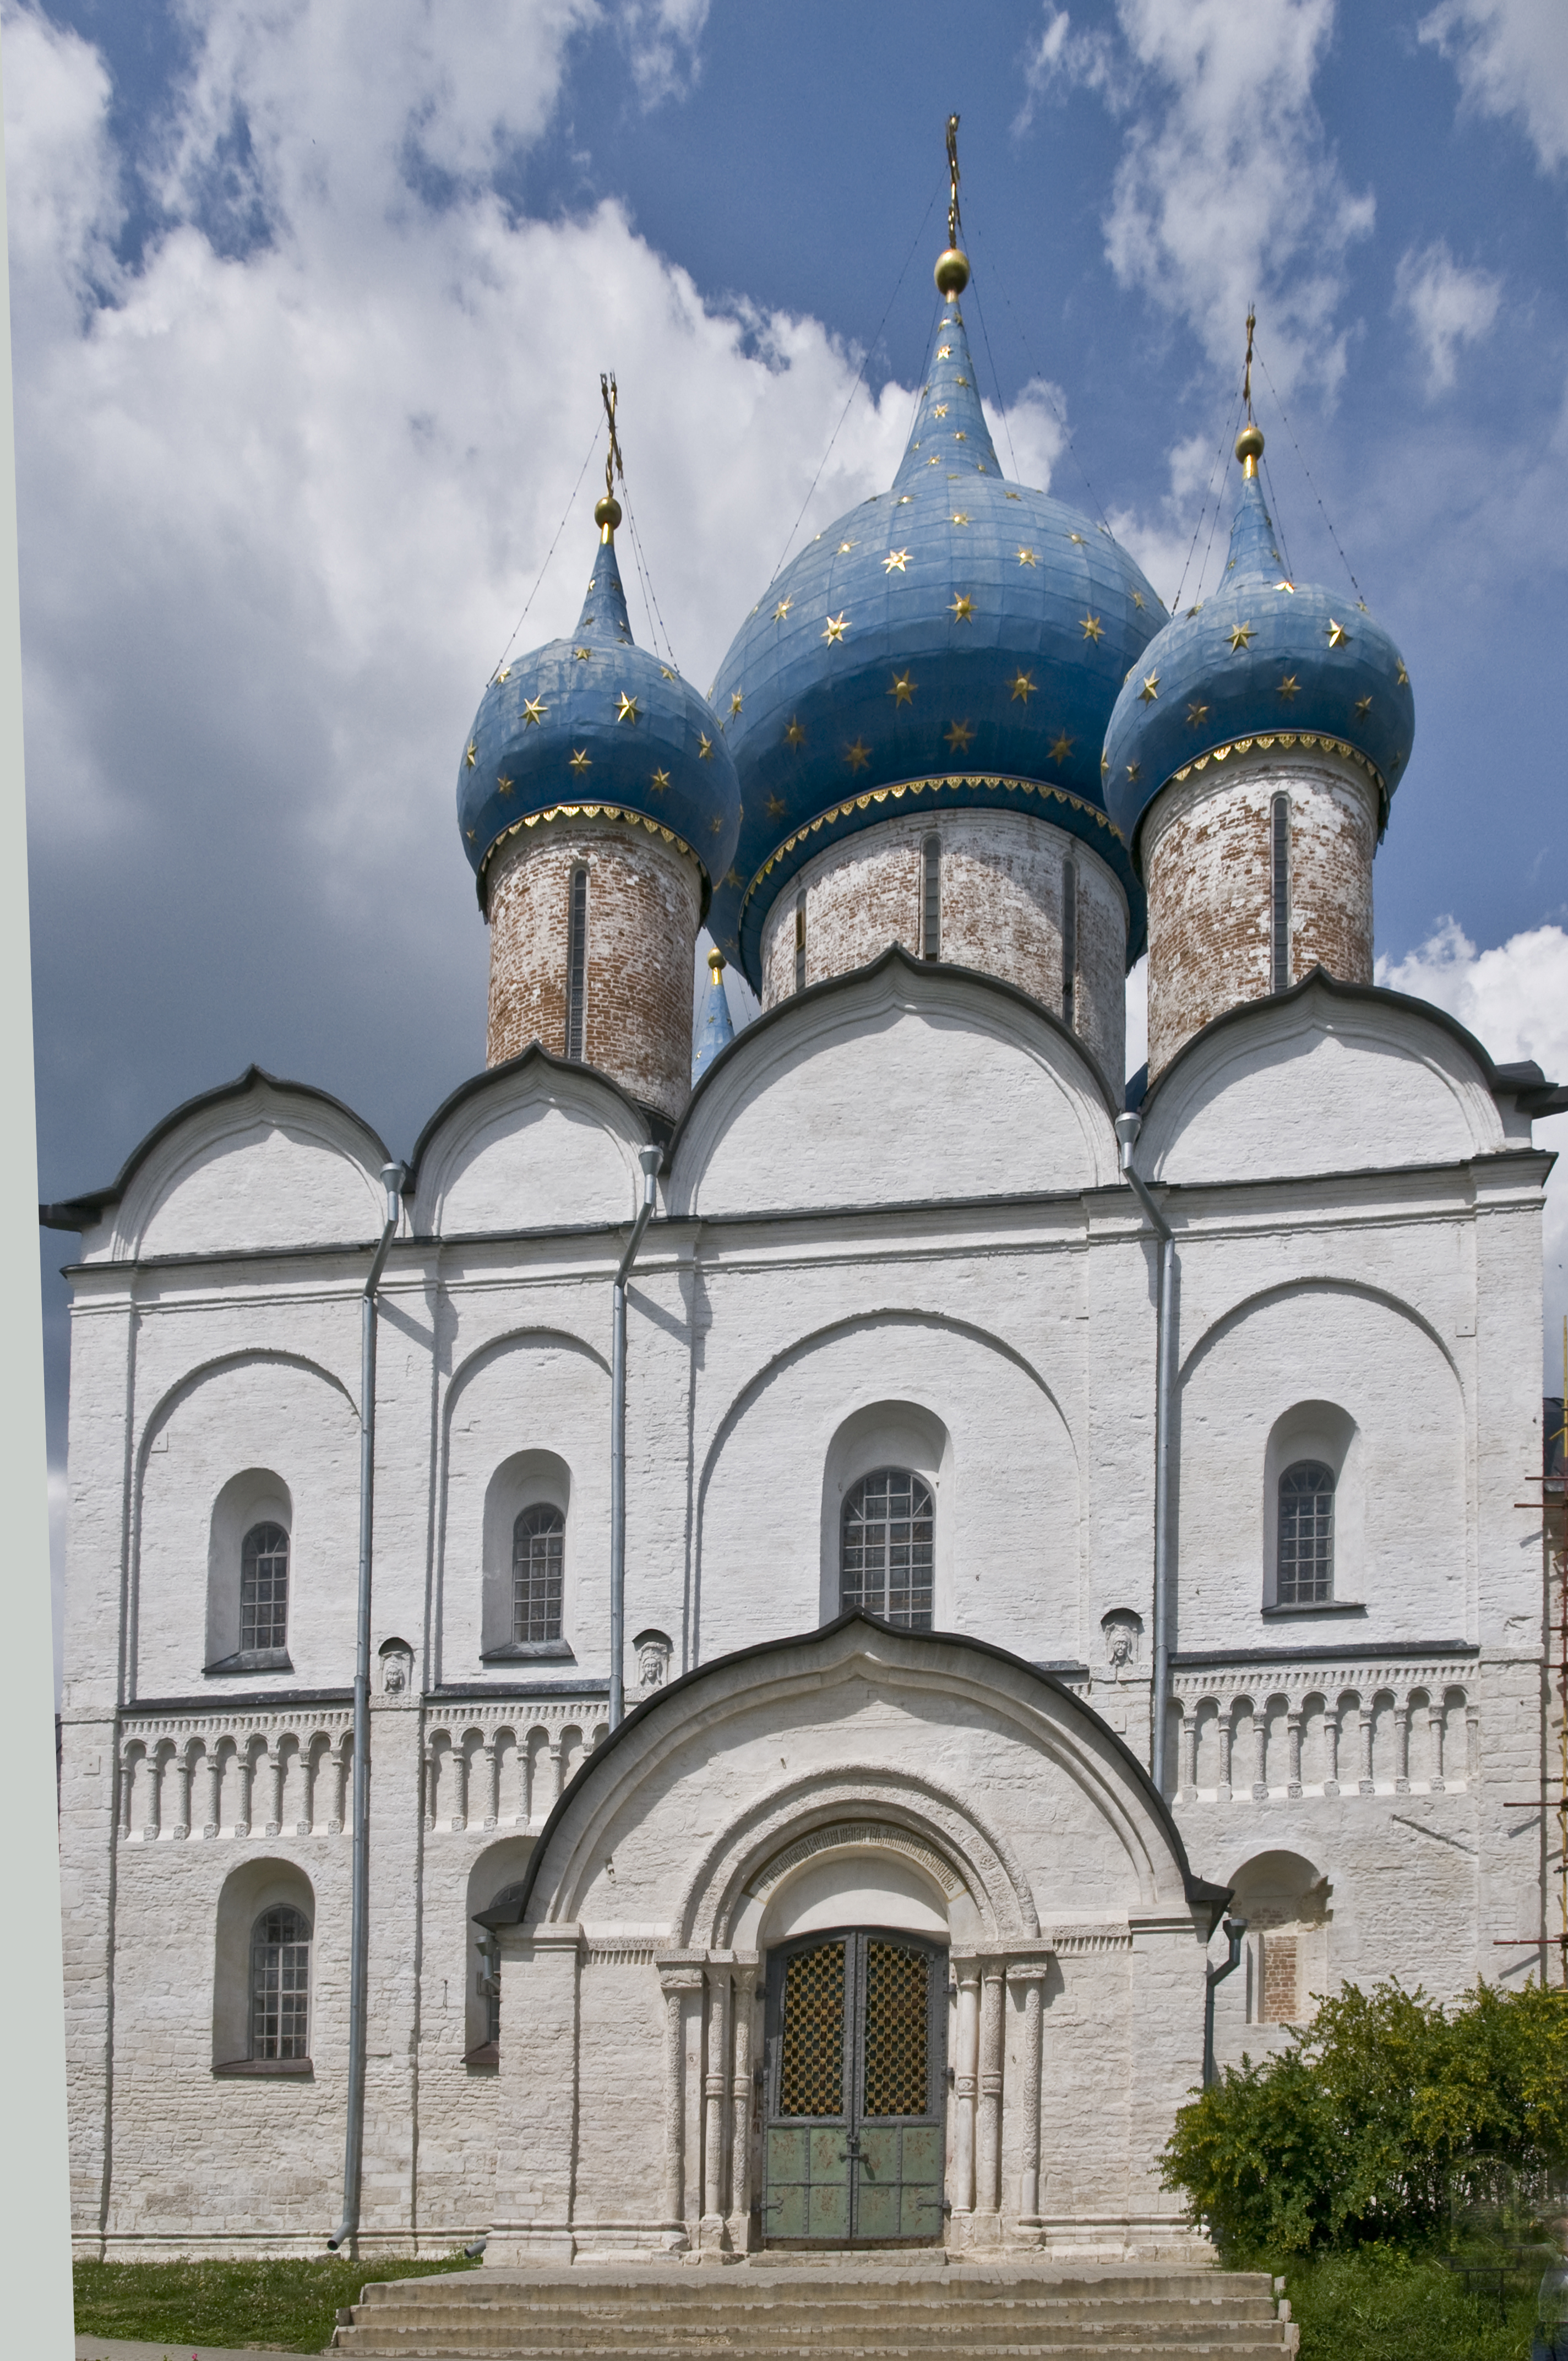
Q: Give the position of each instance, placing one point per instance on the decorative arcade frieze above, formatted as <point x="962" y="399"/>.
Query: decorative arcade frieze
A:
<point x="1245" y="1731"/>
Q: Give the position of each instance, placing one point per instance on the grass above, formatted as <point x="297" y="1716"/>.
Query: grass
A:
<point x="291" y="2303"/>
<point x="1379" y="2303"/>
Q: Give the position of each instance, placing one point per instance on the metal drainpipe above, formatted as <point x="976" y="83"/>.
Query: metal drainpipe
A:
<point x="393" y="1176"/>
<point x="1236" y="1932"/>
<point x="649" y="1158"/>
<point x="1128" y="1129"/>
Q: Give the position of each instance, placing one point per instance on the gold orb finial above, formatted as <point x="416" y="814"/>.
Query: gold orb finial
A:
<point x="1249" y="448"/>
<point x="952" y="271"/>
<point x="606" y="514"/>
<point x="715" y="963"/>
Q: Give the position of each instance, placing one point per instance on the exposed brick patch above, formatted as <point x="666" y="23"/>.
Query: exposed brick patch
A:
<point x="643" y="909"/>
<point x="1280" y="2003"/>
<point x="1001" y="912"/>
<point x="1207" y="857"/>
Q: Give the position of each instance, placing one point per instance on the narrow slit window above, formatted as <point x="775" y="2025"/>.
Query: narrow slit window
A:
<point x="800" y="942"/>
<point x="1281" y="912"/>
<point x="538" y="1554"/>
<point x="264" y="1588"/>
<point x="1306" y="1574"/>
<point x="577" y="963"/>
<point x="931" y="899"/>
<point x="1068" y="943"/>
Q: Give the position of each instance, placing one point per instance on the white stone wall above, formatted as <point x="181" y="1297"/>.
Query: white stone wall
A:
<point x="894" y="1225"/>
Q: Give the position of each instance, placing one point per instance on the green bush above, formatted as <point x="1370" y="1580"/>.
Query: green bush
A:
<point x="1381" y="2304"/>
<point x="1379" y="2121"/>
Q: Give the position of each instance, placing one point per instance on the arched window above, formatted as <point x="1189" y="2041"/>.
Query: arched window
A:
<point x="576" y="964"/>
<point x="538" y="1549"/>
<point x="1306" y="1561"/>
<point x="264" y="1588"/>
<point x="281" y="1984"/>
<point x="887" y="1549"/>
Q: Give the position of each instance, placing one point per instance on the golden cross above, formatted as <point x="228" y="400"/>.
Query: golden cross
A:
<point x="953" y="169"/>
<point x="1246" y="373"/>
<point x="612" y="459"/>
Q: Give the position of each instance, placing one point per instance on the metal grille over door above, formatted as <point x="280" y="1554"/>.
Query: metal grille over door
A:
<point x="855" y="2076"/>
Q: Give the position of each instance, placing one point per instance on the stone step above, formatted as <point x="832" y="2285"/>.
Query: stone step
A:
<point x="1246" y="2345"/>
<point x="816" y="2320"/>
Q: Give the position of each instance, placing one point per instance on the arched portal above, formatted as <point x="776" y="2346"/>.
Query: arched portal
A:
<point x="929" y="1825"/>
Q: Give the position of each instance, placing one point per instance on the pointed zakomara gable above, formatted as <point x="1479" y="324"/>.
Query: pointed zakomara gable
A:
<point x="597" y="804"/>
<point x="917" y="707"/>
<point x="1249" y="766"/>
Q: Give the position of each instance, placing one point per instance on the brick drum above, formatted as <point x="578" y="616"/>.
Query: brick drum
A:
<point x="1001" y="912"/>
<point x="644" y="903"/>
<point x="1207" y="859"/>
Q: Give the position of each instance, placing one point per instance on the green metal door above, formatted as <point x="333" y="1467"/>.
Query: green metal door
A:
<point x="856" y="2056"/>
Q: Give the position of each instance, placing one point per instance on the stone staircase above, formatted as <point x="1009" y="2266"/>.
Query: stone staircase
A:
<point x="983" y="2312"/>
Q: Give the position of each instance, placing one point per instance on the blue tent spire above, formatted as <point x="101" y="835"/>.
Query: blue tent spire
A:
<point x="715" y="1030"/>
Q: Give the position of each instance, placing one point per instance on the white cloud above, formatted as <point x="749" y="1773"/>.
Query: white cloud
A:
<point x="1514" y="998"/>
<point x="1449" y="306"/>
<point x="1229" y="190"/>
<point x="1511" y="57"/>
<point x="1058" y="59"/>
<point x="1031" y="435"/>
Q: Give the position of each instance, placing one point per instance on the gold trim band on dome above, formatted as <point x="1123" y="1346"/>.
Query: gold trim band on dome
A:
<point x="897" y="790"/>
<point x="594" y="811"/>
<point x="1289" y="738"/>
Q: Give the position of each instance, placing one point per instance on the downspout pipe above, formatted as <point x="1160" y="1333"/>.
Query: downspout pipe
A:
<point x="1127" y="1129"/>
<point x="649" y="1158"/>
<point x="1235" y="1930"/>
<point x="393" y="1178"/>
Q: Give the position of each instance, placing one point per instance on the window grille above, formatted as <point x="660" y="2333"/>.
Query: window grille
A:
<point x="931" y="906"/>
<point x="1306" y="1571"/>
<point x="1280" y="968"/>
<point x="538" y="1551"/>
<point x="264" y="1588"/>
<point x="577" y="963"/>
<point x="800" y="942"/>
<point x="281" y="1984"/>
<point x="888" y="1549"/>
<point x="1068" y="942"/>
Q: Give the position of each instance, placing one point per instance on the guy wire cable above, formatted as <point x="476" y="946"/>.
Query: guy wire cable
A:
<point x="548" y="555"/>
<point x="1039" y="379"/>
<point x="1310" y="486"/>
<point x="1228" y="436"/>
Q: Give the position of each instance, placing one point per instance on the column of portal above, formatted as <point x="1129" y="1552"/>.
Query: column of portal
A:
<point x="988" y="2142"/>
<point x="966" y="2076"/>
<point x="740" y="2105"/>
<point x="1029" y="1977"/>
<point x="714" y="2231"/>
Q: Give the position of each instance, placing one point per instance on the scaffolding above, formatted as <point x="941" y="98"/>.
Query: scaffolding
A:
<point x="1551" y="1803"/>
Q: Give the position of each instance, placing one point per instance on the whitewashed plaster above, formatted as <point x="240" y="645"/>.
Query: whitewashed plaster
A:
<point x="536" y="1145"/>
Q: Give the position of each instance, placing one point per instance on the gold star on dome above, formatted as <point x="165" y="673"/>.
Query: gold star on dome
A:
<point x="1091" y="627"/>
<point x="904" y="499"/>
<point x="959" y="737"/>
<point x="667" y="672"/>
<point x="960" y="380"/>
<point x="960" y="436"/>
<point x="1061" y="746"/>
<point x="858" y="755"/>
<point x="962" y="608"/>
<point x="582" y="654"/>
<point x="1338" y="636"/>
<point x="1287" y="586"/>
<point x="503" y="786"/>
<point x="931" y="462"/>
<point x="717" y="824"/>
<point x="626" y="708"/>
<point x="782" y="610"/>
<point x="960" y="516"/>
<point x="1015" y="496"/>
<point x="895" y="562"/>
<point x="533" y="709"/>
<point x="735" y="703"/>
<point x="1133" y="770"/>
<point x="470" y="834"/>
<point x="472" y="754"/>
<point x="1023" y="686"/>
<point x="1137" y="597"/>
<point x="845" y="548"/>
<point x="659" y="781"/>
<point x="903" y="689"/>
<point x="1242" y="637"/>
<point x="939" y="410"/>
<point x="1150" y="688"/>
<point x="505" y="673"/>
<point x="1078" y="537"/>
<point x="581" y="759"/>
<point x="944" y="352"/>
<point x="795" y="735"/>
<point x="1195" y="715"/>
<point x="1288" y="687"/>
<point x="1362" y="708"/>
<point x="837" y="627"/>
<point x="1402" y="676"/>
<point x="1105" y="765"/>
<point x="776" y="807"/>
<point x="704" y="747"/>
<point x="1026" y="557"/>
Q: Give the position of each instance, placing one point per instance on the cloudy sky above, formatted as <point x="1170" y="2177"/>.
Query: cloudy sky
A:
<point x="310" y="300"/>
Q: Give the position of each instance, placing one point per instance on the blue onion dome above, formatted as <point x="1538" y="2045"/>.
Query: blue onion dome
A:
<point x="956" y="641"/>
<point x="1264" y="663"/>
<point x="595" y="728"/>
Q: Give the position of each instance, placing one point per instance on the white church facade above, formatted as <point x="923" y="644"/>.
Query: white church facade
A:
<point x="868" y="1557"/>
